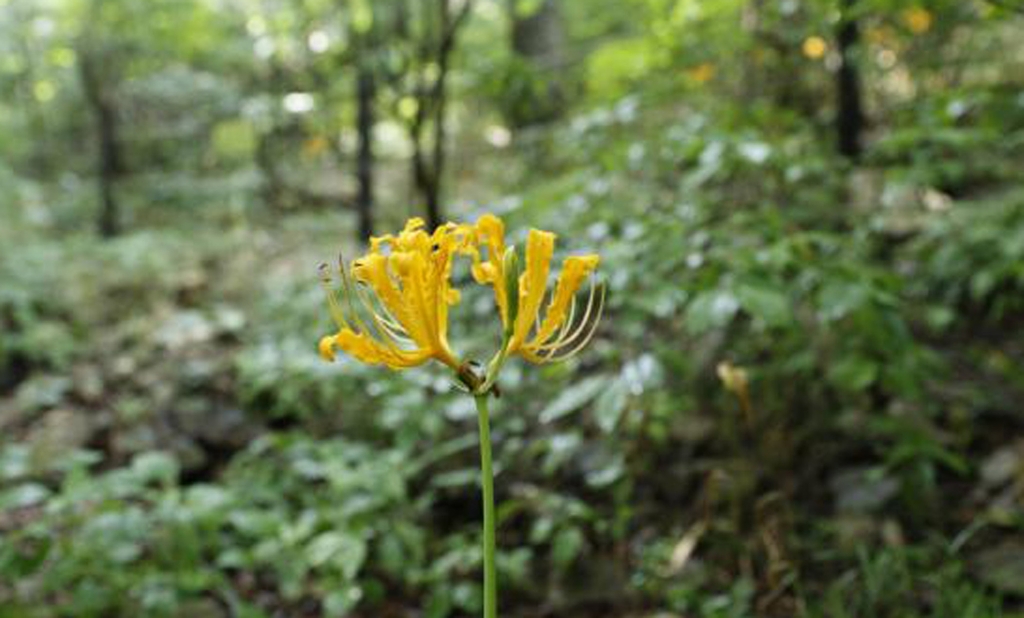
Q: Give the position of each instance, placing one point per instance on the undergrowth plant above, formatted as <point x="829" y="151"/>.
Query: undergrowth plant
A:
<point x="392" y="310"/>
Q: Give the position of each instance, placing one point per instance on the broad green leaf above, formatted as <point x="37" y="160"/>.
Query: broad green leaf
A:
<point x="711" y="310"/>
<point x="156" y="466"/>
<point x="610" y="405"/>
<point x="23" y="495"/>
<point x="765" y="303"/>
<point x="343" y="551"/>
<point x="574" y="397"/>
<point x="566" y="546"/>
<point x="854" y="373"/>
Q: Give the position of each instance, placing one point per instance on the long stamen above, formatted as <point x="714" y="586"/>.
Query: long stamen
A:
<point x="346" y="286"/>
<point x="380" y="310"/>
<point x="549" y="297"/>
<point x="566" y="325"/>
<point x="390" y="337"/>
<point x="562" y="340"/>
<point x="349" y="286"/>
<point x="589" y="335"/>
<point x="332" y="300"/>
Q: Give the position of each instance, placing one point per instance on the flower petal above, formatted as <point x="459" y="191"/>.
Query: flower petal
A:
<point x="490" y="233"/>
<point x="540" y="246"/>
<point x="370" y="351"/>
<point x="574" y="271"/>
<point x="373" y="270"/>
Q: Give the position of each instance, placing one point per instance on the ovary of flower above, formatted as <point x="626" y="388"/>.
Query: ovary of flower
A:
<point x="401" y="319"/>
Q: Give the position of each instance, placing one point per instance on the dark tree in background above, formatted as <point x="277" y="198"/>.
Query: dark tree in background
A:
<point x="849" y="108"/>
<point x="101" y="99"/>
<point x="366" y="35"/>
<point x="431" y="48"/>
<point x="366" y="91"/>
<point x="536" y="90"/>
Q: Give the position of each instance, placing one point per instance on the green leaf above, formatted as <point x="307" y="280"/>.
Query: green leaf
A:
<point x="566" y="547"/>
<point x="343" y="551"/>
<point x="854" y="373"/>
<point x="573" y="398"/>
<point x="156" y="466"/>
<point x="769" y="305"/>
<point x="340" y="603"/>
<point x="839" y="298"/>
<point x="711" y="310"/>
<point x="23" y="495"/>
<point x="610" y="405"/>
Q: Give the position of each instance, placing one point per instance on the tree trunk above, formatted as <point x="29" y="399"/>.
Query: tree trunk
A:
<point x="109" y="150"/>
<point x="426" y="176"/>
<point x="427" y="129"/>
<point x="434" y="212"/>
<point x="538" y="39"/>
<point x="849" y="109"/>
<point x="110" y="167"/>
<point x="366" y="89"/>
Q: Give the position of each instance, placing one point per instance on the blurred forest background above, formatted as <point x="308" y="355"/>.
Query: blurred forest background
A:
<point x="805" y="398"/>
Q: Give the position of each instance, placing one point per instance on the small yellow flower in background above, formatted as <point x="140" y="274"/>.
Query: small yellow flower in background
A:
<point x="917" y="19"/>
<point x="314" y="147"/>
<point x="876" y="35"/>
<point x="814" y="47"/>
<point x="735" y="380"/>
<point x="404" y="322"/>
<point x="702" y="73"/>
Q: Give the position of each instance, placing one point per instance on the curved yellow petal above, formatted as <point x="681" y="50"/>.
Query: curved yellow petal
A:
<point x="540" y="246"/>
<point x="373" y="270"/>
<point x="438" y="293"/>
<point x="366" y="349"/>
<point x="574" y="271"/>
<point x="326" y="348"/>
<point x="490" y="233"/>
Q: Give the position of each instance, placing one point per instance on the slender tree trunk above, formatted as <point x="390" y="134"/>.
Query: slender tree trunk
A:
<point x="366" y="90"/>
<point x="434" y="214"/>
<point x="427" y="177"/>
<point x="109" y="151"/>
<point x="434" y="211"/>
<point x="427" y="130"/>
<point x="421" y="174"/>
<point x="35" y="114"/>
<point x="110" y="167"/>
<point x="849" y="108"/>
<point x="272" y="189"/>
<point x="538" y="39"/>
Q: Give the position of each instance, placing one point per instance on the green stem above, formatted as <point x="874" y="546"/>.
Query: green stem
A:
<point x="487" y="481"/>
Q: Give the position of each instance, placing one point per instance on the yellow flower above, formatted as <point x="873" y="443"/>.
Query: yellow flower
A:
<point x="396" y="302"/>
<point x="702" y="73"/>
<point x="561" y="332"/>
<point x="814" y="47"/>
<point x="918" y="19"/>
<point x="393" y="304"/>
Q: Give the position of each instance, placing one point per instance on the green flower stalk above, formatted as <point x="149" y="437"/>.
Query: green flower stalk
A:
<point x="391" y="309"/>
